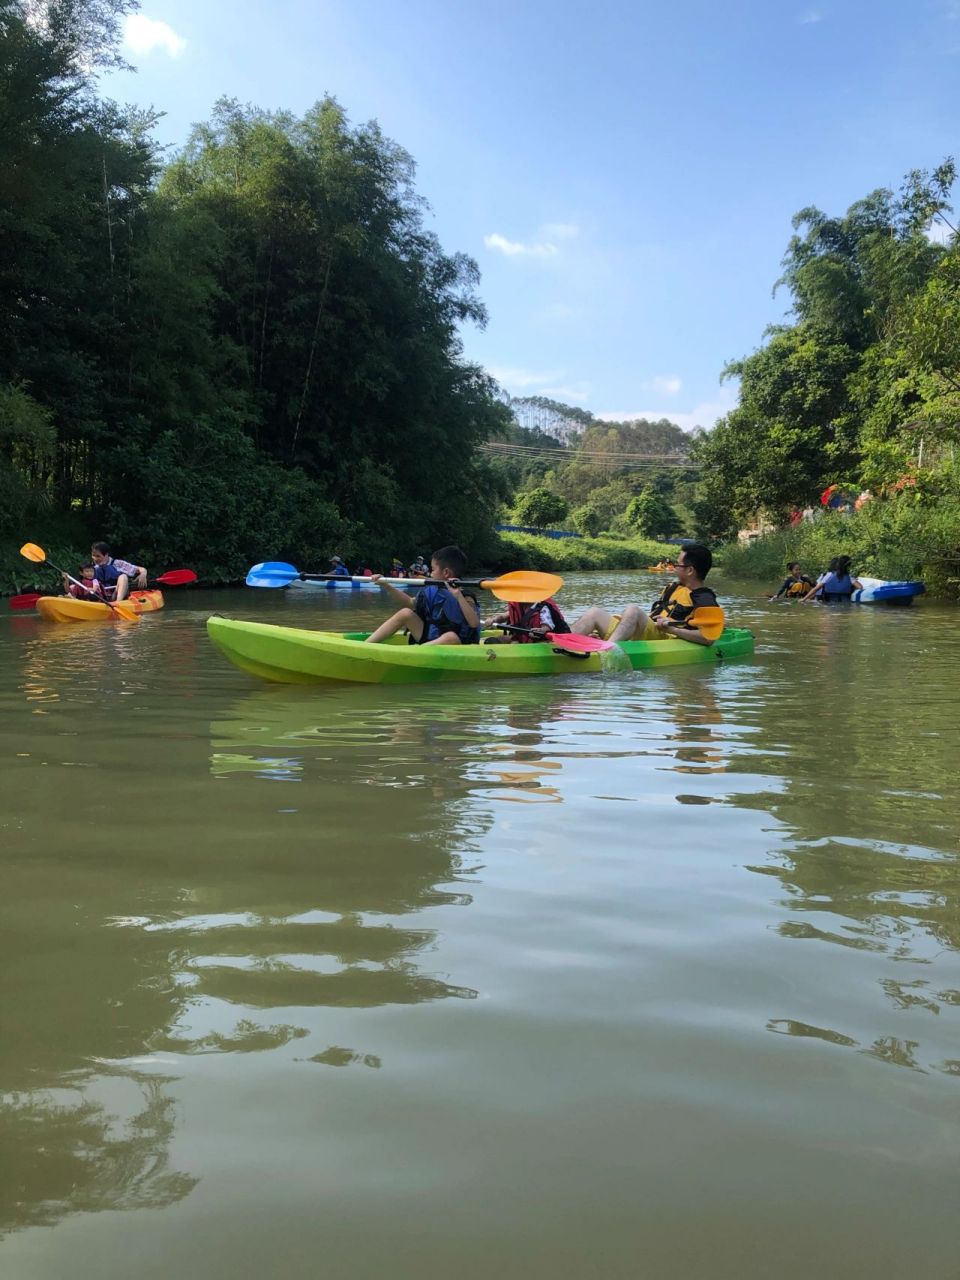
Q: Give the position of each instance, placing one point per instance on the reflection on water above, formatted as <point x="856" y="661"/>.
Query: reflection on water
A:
<point x="681" y="925"/>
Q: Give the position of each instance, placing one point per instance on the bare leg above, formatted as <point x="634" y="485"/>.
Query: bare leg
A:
<point x="403" y="619"/>
<point x="123" y="587"/>
<point x="447" y="637"/>
<point x="595" y="621"/>
<point x="632" y="620"/>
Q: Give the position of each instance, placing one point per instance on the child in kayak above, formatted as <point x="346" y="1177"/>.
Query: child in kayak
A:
<point x="795" y="585"/>
<point x="670" y="611"/>
<point x="438" y="614"/>
<point x="542" y="618"/>
<point x="90" y="589"/>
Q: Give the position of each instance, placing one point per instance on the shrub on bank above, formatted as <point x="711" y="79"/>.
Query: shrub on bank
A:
<point x="527" y="551"/>
<point x="907" y="537"/>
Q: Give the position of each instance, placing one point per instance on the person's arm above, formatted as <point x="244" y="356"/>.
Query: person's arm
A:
<point x="857" y="584"/>
<point x="395" y="593"/>
<point x="783" y="587"/>
<point x="468" y="606"/>
<point x="496" y="620"/>
<point x="814" y="590"/>
<point x="681" y="632"/>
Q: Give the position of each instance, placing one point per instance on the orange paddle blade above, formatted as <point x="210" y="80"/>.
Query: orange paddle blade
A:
<point x="124" y="610"/>
<point x="708" y="620"/>
<point x="525" y="586"/>
<point x="30" y="551"/>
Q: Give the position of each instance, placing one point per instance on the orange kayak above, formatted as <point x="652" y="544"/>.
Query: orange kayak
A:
<point x="67" y="609"/>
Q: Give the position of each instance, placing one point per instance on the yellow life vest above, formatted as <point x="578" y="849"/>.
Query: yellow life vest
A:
<point x="676" y="602"/>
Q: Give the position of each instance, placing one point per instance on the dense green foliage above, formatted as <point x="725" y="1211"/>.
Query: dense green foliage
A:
<point x="862" y="391"/>
<point x="250" y="352"/>
<point x="541" y="508"/>
<point x="600" y="471"/>
<point x="527" y="551"/>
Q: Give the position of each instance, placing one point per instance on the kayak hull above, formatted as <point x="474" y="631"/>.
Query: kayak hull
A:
<point x="879" y="591"/>
<point x="66" y="609"/>
<point x="332" y="584"/>
<point x="290" y="655"/>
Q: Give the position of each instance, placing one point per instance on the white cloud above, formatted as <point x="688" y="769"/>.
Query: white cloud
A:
<point x="809" y="16"/>
<point x="666" y="384"/>
<point x="704" y="414"/>
<point x="143" y="35"/>
<point x="517" y="249"/>
<point x="543" y="245"/>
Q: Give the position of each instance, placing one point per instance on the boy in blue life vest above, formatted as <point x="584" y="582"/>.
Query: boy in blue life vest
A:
<point x="669" y="612"/>
<point x="338" y="568"/>
<point x="115" y="576"/>
<point x="439" y="614"/>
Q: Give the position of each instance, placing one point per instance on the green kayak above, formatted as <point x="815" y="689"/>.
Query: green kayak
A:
<point x="294" y="656"/>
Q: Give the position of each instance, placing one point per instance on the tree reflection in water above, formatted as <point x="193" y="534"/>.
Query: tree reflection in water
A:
<point x="64" y="1153"/>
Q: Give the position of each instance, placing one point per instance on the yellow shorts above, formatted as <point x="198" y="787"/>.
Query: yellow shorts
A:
<point x="649" y="631"/>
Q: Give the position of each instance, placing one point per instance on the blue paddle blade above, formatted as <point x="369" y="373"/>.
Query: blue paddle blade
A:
<point x="277" y="566"/>
<point x="272" y="573"/>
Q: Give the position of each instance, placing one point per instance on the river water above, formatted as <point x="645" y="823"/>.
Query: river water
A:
<point x="651" y="974"/>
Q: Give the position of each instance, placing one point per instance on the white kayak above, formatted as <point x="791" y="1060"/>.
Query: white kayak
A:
<point x="880" y="591"/>
<point x="333" y="584"/>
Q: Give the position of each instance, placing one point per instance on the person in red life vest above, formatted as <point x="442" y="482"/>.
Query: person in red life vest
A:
<point x="669" y="612"/>
<point x="542" y="618"/>
<point x="440" y="614"/>
<point x="114" y="575"/>
<point x="91" y="587"/>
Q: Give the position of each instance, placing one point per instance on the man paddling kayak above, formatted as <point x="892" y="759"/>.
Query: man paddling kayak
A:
<point x="115" y="575"/>
<point x="670" y="611"/>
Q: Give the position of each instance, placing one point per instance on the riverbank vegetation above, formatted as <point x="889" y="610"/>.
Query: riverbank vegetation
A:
<point x="250" y="350"/>
<point x="861" y="391"/>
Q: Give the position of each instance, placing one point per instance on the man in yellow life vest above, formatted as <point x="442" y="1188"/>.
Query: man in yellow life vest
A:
<point x="669" y="614"/>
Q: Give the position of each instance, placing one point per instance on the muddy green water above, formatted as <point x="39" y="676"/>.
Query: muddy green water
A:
<point x="639" y="975"/>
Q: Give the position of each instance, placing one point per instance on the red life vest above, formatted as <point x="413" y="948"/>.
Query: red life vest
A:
<point x="528" y="615"/>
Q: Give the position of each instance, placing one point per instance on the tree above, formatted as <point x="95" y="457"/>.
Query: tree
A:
<point x="540" y="508"/>
<point x="588" y="520"/>
<point x="651" y="514"/>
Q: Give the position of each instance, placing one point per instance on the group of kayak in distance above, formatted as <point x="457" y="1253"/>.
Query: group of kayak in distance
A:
<point x="445" y="613"/>
<point x="835" y="586"/>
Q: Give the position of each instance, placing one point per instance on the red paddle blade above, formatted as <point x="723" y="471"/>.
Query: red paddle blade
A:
<point x="177" y="577"/>
<point x="26" y="601"/>
<point x="580" y="644"/>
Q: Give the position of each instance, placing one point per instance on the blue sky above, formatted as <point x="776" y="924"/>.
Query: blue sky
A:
<point x="623" y="173"/>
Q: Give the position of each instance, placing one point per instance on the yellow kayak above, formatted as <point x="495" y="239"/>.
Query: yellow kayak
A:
<point x="67" y="609"/>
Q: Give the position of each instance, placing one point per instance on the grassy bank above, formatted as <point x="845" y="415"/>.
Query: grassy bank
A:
<point x="527" y="551"/>
<point x="898" y="539"/>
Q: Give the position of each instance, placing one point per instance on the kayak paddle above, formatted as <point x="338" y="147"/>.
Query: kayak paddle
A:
<point x="30" y="551"/>
<point x="173" y="578"/>
<point x="568" y="640"/>
<point x="708" y="620"/>
<point x="523" y="586"/>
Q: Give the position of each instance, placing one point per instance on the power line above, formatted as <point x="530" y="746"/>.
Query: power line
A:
<point x="621" y="460"/>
